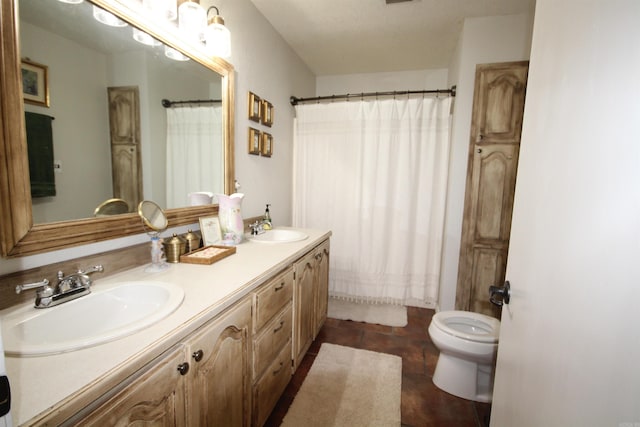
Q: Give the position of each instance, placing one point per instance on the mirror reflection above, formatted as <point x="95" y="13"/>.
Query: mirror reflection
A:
<point x="109" y="134"/>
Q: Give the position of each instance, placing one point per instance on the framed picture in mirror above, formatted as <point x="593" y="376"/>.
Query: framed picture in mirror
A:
<point x="254" y="141"/>
<point x="35" y="83"/>
<point x="254" y="102"/>
<point x="267" y="113"/>
<point x="266" y="145"/>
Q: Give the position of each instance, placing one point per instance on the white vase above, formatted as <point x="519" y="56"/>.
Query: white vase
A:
<point x="230" y="216"/>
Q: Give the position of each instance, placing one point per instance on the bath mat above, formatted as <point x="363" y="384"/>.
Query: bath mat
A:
<point x="381" y="314"/>
<point x="348" y="387"/>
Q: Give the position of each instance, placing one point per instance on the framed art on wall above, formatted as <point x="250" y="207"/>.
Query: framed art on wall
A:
<point x="35" y="83"/>
<point x="267" y="113"/>
<point x="266" y="145"/>
<point x="254" y="141"/>
<point x="255" y="103"/>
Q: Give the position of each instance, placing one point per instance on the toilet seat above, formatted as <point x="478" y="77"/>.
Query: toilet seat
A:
<point x="468" y="325"/>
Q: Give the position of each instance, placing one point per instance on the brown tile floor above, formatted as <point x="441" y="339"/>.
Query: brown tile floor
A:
<point x="423" y="404"/>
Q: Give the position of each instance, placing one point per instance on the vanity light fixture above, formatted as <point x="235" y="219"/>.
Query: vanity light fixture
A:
<point x="217" y="36"/>
<point x="71" y="1"/>
<point x="192" y="20"/>
<point x="107" y="18"/>
<point x="163" y="9"/>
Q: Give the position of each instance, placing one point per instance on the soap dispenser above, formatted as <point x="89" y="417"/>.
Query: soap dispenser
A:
<point x="266" y="221"/>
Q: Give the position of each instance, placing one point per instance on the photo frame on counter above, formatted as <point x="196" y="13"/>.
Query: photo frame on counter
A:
<point x="210" y="230"/>
<point x="255" y="104"/>
<point x="266" y="146"/>
<point x="267" y="113"/>
<point x="254" y="141"/>
<point x="35" y="83"/>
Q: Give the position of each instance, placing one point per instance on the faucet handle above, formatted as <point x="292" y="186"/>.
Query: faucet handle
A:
<point x="95" y="269"/>
<point x="44" y="284"/>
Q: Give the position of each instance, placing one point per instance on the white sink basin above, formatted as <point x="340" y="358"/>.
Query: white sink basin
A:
<point x="279" y="235"/>
<point x="101" y="316"/>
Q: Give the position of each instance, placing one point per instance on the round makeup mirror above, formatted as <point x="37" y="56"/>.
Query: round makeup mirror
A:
<point x="152" y="215"/>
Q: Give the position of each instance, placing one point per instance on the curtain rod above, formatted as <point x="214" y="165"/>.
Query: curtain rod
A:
<point x="295" y="100"/>
<point x="166" y="103"/>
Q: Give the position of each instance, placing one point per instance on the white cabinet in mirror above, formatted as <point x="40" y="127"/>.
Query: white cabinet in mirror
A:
<point x="111" y="144"/>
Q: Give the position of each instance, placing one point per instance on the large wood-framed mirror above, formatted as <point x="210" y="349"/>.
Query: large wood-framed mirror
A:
<point x="21" y="235"/>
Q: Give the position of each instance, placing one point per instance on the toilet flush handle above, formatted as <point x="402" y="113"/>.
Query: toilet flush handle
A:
<point x="504" y="291"/>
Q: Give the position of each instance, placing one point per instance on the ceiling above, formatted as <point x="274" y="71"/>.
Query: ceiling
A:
<point x="367" y="36"/>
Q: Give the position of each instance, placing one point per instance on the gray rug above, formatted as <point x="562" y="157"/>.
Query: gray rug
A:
<point x="381" y="314"/>
<point x="348" y="387"/>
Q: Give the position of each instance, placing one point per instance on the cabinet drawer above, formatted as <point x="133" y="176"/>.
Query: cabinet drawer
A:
<point x="271" y="339"/>
<point x="270" y="299"/>
<point x="268" y="390"/>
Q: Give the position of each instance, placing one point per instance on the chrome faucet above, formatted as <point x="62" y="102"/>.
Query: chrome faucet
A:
<point x="257" y="228"/>
<point x="66" y="289"/>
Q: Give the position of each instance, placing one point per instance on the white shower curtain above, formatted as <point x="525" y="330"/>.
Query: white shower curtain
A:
<point x="375" y="173"/>
<point x="194" y="152"/>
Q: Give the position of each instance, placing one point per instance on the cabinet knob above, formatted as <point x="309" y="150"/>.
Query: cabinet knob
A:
<point x="183" y="368"/>
<point x="277" y="371"/>
<point x="279" y="327"/>
<point x="197" y="355"/>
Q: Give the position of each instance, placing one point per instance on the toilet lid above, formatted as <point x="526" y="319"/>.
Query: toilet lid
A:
<point x="469" y="326"/>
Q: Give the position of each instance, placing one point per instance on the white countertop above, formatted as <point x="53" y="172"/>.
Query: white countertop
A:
<point x="42" y="384"/>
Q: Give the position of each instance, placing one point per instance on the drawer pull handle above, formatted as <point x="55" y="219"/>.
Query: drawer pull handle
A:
<point x="279" y="287"/>
<point x="279" y="327"/>
<point x="183" y="368"/>
<point x="277" y="371"/>
<point x="197" y="355"/>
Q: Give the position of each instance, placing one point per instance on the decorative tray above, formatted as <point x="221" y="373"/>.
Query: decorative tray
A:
<point x="208" y="254"/>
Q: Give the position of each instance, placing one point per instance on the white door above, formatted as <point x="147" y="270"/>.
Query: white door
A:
<point x="569" y="352"/>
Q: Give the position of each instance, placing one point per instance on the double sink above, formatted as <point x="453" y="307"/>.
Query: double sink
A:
<point x="102" y="316"/>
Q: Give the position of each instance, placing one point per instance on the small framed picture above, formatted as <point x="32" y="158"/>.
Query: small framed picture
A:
<point x="254" y="141"/>
<point x="266" y="145"/>
<point x="267" y="113"/>
<point x="210" y="229"/>
<point x="254" y="107"/>
<point x="35" y="83"/>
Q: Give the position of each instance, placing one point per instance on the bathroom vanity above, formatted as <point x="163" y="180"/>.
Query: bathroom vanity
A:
<point x="223" y="357"/>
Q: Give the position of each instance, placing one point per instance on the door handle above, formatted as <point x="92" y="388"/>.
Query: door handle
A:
<point x="503" y="291"/>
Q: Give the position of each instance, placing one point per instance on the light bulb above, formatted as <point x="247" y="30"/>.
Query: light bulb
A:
<point x="163" y="9"/>
<point x="192" y="20"/>
<point x="218" y="38"/>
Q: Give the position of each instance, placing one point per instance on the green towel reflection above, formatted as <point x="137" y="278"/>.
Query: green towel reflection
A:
<point x="40" y="151"/>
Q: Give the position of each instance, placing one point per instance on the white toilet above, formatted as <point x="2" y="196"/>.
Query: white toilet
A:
<point x="468" y="343"/>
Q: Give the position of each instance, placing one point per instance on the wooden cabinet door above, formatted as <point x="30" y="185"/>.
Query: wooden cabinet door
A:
<point x="498" y="103"/>
<point x="321" y="286"/>
<point x="124" y="126"/>
<point x="156" y="398"/>
<point x="219" y="386"/>
<point x="303" y="303"/>
<point x="491" y="176"/>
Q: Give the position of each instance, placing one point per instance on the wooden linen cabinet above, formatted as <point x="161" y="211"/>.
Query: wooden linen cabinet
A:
<point x="496" y="124"/>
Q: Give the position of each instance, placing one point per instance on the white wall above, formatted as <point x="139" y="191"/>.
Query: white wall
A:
<point x="267" y="66"/>
<point x="381" y="82"/>
<point x="483" y="40"/>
